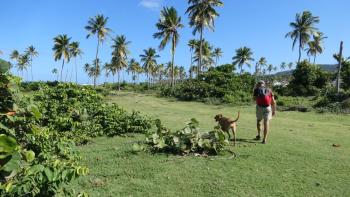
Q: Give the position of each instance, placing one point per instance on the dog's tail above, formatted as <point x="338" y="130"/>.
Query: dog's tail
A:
<point x="237" y="117"/>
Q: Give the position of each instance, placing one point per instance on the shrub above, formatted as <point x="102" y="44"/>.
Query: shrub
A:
<point x="33" y="160"/>
<point x="219" y="84"/>
<point x="301" y="104"/>
<point x="79" y="113"/>
<point x="307" y="80"/>
<point x="345" y="75"/>
<point x="187" y="140"/>
<point x="331" y="101"/>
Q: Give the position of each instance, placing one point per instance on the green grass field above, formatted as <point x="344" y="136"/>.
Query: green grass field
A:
<point x="299" y="159"/>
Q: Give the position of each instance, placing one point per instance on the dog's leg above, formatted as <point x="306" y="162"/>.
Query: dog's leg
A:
<point x="234" y="135"/>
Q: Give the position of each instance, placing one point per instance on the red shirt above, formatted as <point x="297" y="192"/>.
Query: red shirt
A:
<point x="263" y="96"/>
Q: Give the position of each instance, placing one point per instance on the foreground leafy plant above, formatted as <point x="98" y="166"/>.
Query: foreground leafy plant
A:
<point x="34" y="161"/>
<point x="187" y="140"/>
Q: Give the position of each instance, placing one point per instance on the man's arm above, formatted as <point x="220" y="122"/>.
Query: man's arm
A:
<point x="273" y="105"/>
<point x="255" y="94"/>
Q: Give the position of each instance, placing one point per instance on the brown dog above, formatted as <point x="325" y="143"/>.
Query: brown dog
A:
<point x="226" y="124"/>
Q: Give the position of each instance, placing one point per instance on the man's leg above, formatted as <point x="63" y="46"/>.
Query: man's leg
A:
<point x="259" y="117"/>
<point x="258" y="127"/>
<point x="266" y="129"/>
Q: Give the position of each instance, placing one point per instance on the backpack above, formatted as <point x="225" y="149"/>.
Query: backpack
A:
<point x="263" y="96"/>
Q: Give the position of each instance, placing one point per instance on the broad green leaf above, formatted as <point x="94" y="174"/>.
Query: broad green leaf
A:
<point x="29" y="156"/>
<point x="7" y="144"/>
<point x="136" y="147"/>
<point x="176" y="140"/>
<point x="35" y="111"/>
<point x="13" y="164"/>
<point x="3" y="127"/>
<point x="161" y="143"/>
<point x="49" y="174"/>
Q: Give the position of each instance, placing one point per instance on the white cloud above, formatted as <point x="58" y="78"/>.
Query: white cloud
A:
<point x="151" y="4"/>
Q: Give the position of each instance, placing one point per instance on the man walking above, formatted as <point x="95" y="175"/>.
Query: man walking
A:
<point x="265" y="108"/>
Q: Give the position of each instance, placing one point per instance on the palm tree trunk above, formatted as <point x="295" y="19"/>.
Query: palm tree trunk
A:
<point x="200" y="51"/>
<point x="149" y="79"/>
<point x="31" y="68"/>
<point x="314" y="59"/>
<point x="172" y="64"/>
<point x="191" y="58"/>
<point x="76" y="71"/>
<point x="65" y="78"/>
<point x="62" y="69"/>
<point x="96" y="66"/>
<point x="339" y="66"/>
<point x="299" y="50"/>
<point x="118" y="80"/>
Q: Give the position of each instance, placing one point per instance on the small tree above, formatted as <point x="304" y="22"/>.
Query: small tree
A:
<point x="307" y="79"/>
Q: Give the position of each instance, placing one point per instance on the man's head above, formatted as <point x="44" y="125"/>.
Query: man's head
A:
<point x="260" y="83"/>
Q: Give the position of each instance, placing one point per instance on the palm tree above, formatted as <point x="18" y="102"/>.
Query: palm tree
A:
<point x="120" y="55"/>
<point x="55" y="72"/>
<point x="168" y="31"/>
<point x="75" y="52"/>
<point x="14" y="56"/>
<point x="108" y="68"/>
<point x="97" y="26"/>
<point x="303" y="28"/>
<point x="192" y="44"/>
<point x="160" y="72"/>
<point x="139" y="71"/>
<point x="182" y="73"/>
<point x="62" y="48"/>
<point x="260" y="65"/>
<point x="176" y="72"/>
<point x="207" y="54"/>
<point x="270" y="68"/>
<point x="87" y="69"/>
<point x="202" y="14"/>
<point x="217" y="53"/>
<point x="315" y="46"/>
<point x="290" y="65"/>
<point x="243" y="56"/>
<point x="283" y="66"/>
<point x="93" y="70"/>
<point x="32" y="52"/>
<point x="191" y="71"/>
<point x="133" y="68"/>
<point x="23" y="63"/>
<point x="149" y="61"/>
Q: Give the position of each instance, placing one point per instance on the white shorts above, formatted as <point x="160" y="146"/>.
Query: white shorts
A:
<point x="263" y="113"/>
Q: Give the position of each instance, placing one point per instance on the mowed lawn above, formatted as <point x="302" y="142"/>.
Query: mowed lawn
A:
<point x="299" y="159"/>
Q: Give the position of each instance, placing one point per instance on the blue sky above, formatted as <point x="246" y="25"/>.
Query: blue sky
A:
<point x="258" y="24"/>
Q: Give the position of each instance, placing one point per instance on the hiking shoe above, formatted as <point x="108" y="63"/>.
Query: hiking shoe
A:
<point x="257" y="137"/>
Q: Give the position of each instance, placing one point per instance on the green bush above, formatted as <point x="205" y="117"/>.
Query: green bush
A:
<point x="307" y="80"/>
<point x="331" y="101"/>
<point x="219" y="84"/>
<point x="79" y="113"/>
<point x="288" y="103"/>
<point x="34" y="161"/>
<point x="187" y="140"/>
